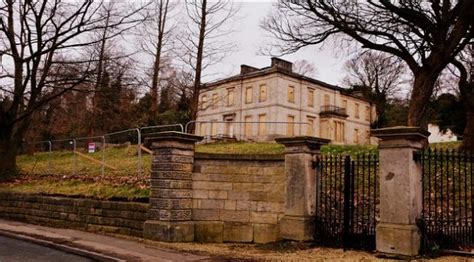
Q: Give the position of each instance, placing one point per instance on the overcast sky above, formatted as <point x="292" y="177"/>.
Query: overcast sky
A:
<point x="250" y="37"/>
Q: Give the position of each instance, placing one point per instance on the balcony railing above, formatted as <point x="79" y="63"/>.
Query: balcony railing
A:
<point x="331" y="109"/>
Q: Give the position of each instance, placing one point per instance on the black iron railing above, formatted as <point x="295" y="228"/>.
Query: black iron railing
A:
<point x="447" y="199"/>
<point x="347" y="201"/>
<point x="331" y="109"/>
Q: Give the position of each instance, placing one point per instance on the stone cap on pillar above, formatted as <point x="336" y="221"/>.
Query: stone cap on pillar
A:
<point x="399" y="133"/>
<point x="171" y="139"/>
<point x="302" y="144"/>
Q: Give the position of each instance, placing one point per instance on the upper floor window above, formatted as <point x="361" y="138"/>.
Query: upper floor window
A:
<point x="248" y="95"/>
<point x="215" y="101"/>
<point x="230" y="96"/>
<point x="326" y="100"/>
<point x="291" y="94"/>
<point x="310" y="130"/>
<point x="263" y="93"/>
<point x="356" y="111"/>
<point x="203" y="102"/>
<point x="367" y="113"/>
<point x="310" y="97"/>
<point x="344" y="104"/>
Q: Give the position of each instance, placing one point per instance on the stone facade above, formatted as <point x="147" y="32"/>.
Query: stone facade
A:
<point x="113" y="217"/>
<point x="238" y="198"/>
<point x="276" y="94"/>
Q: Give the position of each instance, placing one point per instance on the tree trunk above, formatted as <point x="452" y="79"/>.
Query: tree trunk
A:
<point x="420" y="96"/>
<point x="468" y="135"/>
<point x="199" y="57"/>
<point x="8" y="151"/>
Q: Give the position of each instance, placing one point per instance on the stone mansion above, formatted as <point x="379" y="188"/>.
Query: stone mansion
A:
<point x="262" y="104"/>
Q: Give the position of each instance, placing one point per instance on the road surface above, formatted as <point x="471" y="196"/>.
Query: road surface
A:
<point x="12" y="250"/>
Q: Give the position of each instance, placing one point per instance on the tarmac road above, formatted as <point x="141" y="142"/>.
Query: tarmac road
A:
<point x="12" y="250"/>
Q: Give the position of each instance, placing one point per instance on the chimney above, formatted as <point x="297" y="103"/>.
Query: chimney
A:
<point x="245" y="69"/>
<point x="282" y="64"/>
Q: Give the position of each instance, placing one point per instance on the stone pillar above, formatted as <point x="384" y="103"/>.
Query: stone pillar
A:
<point x="170" y="214"/>
<point x="400" y="190"/>
<point x="300" y="202"/>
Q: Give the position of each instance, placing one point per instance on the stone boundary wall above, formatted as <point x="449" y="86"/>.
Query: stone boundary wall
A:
<point x="124" y="218"/>
<point x="238" y="198"/>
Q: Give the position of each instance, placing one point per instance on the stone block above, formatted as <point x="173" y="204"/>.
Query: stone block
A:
<point x="238" y="195"/>
<point x="202" y="194"/>
<point x="235" y="216"/>
<point x="230" y="204"/>
<point x="171" y="193"/>
<point x="238" y="232"/>
<point x="218" y="194"/>
<point x="171" y="175"/>
<point x="209" y="232"/>
<point x="212" y="204"/>
<point x="168" y="231"/>
<point x="297" y="228"/>
<point x="263" y="217"/>
<point x="397" y="239"/>
<point x="172" y="184"/>
<point x="167" y="166"/>
<point x="265" y="233"/>
<point x="212" y="185"/>
<point x="246" y="205"/>
<point x="206" y="214"/>
<point x="247" y="187"/>
<point x="164" y="203"/>
<point x="170" y="215"/>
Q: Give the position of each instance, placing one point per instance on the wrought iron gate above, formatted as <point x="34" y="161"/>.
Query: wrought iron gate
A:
<point x="448" y="192"/>
<point x="347" y="201"/>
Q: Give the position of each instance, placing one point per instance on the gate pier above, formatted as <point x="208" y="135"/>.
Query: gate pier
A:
<point x="400" y="190"/>
<point x="300" y="203"/>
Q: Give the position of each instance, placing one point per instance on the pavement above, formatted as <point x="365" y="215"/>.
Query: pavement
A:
<point x="20" y="240"/>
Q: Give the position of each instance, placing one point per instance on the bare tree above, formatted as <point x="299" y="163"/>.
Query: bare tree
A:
<point x="465" y="65"/>
<point x="203" y="45"/>
<point x="379" y="76"/>
<point x="156" y="34"/>
<point x="425" y="35"/>
<point x="32" y="35"/>
<point x="303" y="67"/>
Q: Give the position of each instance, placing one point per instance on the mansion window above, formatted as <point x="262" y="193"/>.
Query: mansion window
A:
<point x="290" y="129"/>
<point x="215" y="101"/>
<point x="248" y="126"/>
<point x="344" y="104"/>
<point x="230" y="96"/>
<point x="310" y="97"/>
<point x="263" y="93"/>
<point x="291" y="94"/>
<point x="356" y="136"/>
<point x="356" y="113"/>
<point x="367" y="113"/>
<point x="310" y="126"/>
<point x="248" y="95"/>
<point x="262" y="126"/>
<point x="339" y="131"/>
<point x="203" y="102"/>
<point x="326" y="100"/>
<point x="203" y="129"/>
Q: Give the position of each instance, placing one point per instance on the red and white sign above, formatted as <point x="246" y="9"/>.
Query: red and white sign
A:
<point x="91" y="148"/>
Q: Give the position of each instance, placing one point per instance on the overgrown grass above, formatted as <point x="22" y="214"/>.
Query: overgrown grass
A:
<point x="77" y="188"/>
<point x="241" y="148"/>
